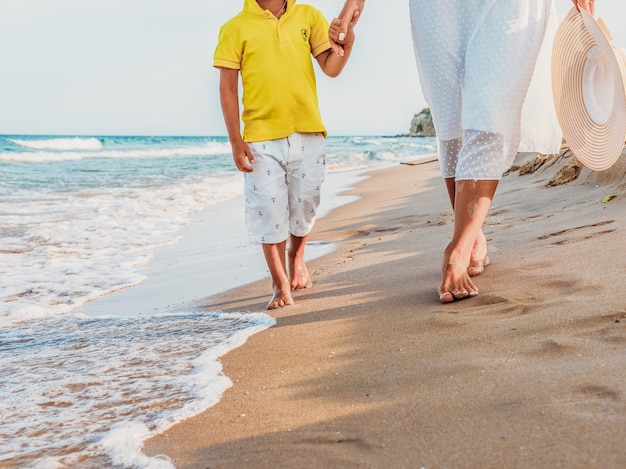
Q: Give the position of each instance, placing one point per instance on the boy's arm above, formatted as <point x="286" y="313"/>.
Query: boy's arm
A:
<point x="332" y="63"/>
<point x="229" y="97"/>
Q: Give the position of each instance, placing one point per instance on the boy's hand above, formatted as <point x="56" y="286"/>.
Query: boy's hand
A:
<point x="242" y="156"/>
<point x="349" y="15"/>
<point x="347" y="39"/>
<point x="331" y="62"/>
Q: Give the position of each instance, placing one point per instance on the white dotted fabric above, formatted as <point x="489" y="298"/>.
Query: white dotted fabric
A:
<point x="476" y="60"/>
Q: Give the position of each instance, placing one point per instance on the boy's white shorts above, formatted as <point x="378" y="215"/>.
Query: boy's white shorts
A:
<point x="283" y="192"/>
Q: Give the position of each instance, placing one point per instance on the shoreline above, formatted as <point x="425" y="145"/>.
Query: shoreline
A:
<point x="369" y="370"/>
<point x="210" y="255"/>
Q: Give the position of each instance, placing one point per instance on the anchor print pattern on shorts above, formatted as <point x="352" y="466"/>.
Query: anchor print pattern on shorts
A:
<point x="283" y="192"/>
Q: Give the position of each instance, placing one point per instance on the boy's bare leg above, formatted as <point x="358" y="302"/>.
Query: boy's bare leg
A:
<point x="478" y="259"/>
<point x="472" y="201"/>
<point x="298" y="272"/>
<point x="275" y="258"/>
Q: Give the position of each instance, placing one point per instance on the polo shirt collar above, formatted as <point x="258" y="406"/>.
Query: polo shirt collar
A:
<point x="253" y="7"/>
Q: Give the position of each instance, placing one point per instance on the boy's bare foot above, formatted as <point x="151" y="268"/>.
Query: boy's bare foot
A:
<point x="300" y="278"/>
<point x="479" y="259"/>
<point x="280" y="299"/>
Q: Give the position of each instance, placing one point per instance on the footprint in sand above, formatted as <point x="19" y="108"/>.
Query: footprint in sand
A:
<point x="497" y="304"/>
<point x="590" y="401"/>
<point x="368" y="230"/>
<point x="577" y="229"/>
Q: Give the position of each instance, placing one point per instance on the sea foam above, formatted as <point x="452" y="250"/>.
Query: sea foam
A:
<point x="61" y="250"/>
<point x="75" y="143"/>
<point x="87" y="392"/>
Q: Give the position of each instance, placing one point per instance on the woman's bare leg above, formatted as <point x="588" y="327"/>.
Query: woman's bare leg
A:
<point x="298" y="272"/>
<point x="472" y="200"/>
<point x="275" y="258"/>
<point x="478" y="259"/>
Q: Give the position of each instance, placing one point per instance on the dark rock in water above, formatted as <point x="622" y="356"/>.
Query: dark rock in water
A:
<point x="422" y="124"/>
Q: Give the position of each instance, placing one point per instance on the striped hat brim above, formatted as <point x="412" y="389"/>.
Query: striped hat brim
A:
<point x="589" y="87"/>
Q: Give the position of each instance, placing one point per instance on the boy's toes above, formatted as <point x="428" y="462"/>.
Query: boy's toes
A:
<point x="280" y="300"/>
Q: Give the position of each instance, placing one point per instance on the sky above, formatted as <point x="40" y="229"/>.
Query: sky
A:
<point x="144" y="67"/>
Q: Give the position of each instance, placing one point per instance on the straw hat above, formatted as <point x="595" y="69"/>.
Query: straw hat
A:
<point x="589" y="86"/>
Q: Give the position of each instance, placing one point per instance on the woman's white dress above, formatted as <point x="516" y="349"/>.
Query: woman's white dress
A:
<point x="484" y="67"/>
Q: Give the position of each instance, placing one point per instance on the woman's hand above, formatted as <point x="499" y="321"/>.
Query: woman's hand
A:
<point x="588" y="5"/>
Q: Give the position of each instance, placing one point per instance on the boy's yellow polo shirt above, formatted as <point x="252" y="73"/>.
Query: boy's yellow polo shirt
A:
<point x="274" y="57"/>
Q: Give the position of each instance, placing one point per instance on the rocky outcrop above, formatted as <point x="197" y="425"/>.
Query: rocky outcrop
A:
<point x="422" y="124"/>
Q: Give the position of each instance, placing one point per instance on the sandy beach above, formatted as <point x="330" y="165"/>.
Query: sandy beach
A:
<point x="369" y="370"/>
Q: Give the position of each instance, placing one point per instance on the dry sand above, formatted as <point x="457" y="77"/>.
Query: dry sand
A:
<point x="368" y="370"/>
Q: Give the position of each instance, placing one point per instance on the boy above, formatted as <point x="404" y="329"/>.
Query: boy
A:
<point x="282" y="150"/>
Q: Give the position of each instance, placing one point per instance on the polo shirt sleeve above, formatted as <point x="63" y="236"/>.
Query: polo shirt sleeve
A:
<point x="228" y="53"/>
<point x="319" y="34"/>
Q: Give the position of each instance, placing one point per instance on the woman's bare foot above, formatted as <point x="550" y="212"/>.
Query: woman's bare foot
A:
<point x="468" y="248"/>
<point x="479" y="259"/>
<point x="478" y="267"/>
<point x="280" y="299"/>
<point x="299" y="274"/>
<point x="456" y="283"/>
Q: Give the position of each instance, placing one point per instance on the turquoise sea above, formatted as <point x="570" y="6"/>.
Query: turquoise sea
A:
<point x="82" y="220"/>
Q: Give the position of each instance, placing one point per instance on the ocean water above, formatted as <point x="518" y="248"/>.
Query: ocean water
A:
<point x="81" y="219"/>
